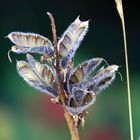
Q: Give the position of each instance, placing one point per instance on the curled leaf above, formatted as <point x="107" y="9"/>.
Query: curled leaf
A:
<point x="71" y="40"/>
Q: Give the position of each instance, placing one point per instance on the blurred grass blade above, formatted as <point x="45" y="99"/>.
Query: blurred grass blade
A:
<point x="119" y="7"/>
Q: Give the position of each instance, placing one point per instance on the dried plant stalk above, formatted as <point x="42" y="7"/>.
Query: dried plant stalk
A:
<point x="71" y="124"/>
<point x="60" y="84"/>
<point x="119" y="7"/>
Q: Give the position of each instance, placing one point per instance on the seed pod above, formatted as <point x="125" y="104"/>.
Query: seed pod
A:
<point x="30" y="43"/>
<point x="70" y="41"/>
<point x="34" y="75"/>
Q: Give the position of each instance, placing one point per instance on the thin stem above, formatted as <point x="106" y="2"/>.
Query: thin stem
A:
<point x="70" y="121"/>
<point x="128" y="83"/>
<point x="60" y="84"/>
<point x="121" y="13"/>
<point x="71" y="124"/>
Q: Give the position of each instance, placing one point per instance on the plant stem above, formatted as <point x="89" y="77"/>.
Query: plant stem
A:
<point x="128" y="83"/>
<point x="57" y="67"/>
<point x="70" y="121"/>
<point x="71" y="124"/>
<point x="121" y="14"/>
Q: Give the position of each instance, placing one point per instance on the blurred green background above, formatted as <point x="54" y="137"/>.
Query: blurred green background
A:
<point x="26" y="114"/>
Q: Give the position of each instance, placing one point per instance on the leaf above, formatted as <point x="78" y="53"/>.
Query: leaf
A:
<point x="24" y="70"/>
<point x="30" y="42"/>
<point x="99" y="81"/>
<point x="71" y="40"/>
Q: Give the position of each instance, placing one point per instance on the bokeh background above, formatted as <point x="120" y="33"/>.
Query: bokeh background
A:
<point x="26" y="114"/>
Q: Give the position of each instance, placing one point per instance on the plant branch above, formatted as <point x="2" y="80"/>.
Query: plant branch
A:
<point x="57" y="67"/>
<point x="72" y="127"/>
<point x="70" y="121"/>
<point x="121" y="14"/>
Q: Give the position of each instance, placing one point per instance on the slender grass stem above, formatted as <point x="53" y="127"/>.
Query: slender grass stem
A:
<point x="128" y="86"/>
<point x="121" y="14"/>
